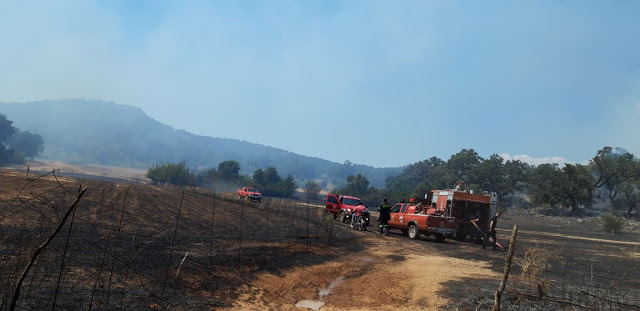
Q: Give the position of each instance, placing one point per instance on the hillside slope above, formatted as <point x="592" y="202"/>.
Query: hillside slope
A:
<point x="99" y="132"/>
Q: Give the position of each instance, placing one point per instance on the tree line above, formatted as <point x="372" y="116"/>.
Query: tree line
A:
<point x="16" y="145"/>
<point x="268" y="181"/>
<point x="612" y="175"/>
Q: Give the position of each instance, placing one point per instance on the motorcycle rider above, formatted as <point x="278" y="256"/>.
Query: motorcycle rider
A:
<point x="383" y="217"/>
<point x="357" y="215"/>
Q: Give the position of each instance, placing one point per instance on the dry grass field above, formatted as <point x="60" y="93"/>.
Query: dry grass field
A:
<point x="132" y="246"/>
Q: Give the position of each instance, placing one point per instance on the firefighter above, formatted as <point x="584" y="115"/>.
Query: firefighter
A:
<point x="383" y="217"/>
<point x="419" y="208"/>
<point x="491" y="231"/>
<point x="459" y="187"/>
<point x="478" y="234"/>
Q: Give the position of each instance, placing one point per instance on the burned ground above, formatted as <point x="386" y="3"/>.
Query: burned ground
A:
<point x="134" y="246"/>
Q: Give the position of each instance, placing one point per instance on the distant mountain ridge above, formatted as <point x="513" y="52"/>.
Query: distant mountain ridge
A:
<point x="100" y="132"/>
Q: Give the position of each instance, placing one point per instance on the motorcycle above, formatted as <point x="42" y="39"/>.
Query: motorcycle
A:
<point x="360" y="219"/>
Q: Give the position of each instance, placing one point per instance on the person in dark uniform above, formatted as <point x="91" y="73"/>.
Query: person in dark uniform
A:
<point x="491" y="231"/>
<point x="383" y="217"/>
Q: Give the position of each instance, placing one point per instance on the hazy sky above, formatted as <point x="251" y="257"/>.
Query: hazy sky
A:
<point x="382" y="83"/>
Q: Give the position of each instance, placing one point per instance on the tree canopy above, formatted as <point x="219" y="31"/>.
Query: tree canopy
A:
<point x="177" y="174"/>
<point x="270" y="183"/>
<point x="16" y="144"/>
<point x="570" y="186"/>
<point x="28" y="143"/>
<point x="229" y="170"/>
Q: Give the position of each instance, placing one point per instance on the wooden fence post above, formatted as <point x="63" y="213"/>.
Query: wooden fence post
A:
<point x="507" y="269"/>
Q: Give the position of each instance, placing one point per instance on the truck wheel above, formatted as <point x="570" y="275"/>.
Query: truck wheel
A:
<point x="439" y="237"/>
<point x="413" y="232"/>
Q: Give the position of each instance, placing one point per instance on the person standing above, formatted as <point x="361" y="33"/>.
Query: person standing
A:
<point x="383" y="217"/>
<point x="491" y="231"/>
<point x="459" y="186"/>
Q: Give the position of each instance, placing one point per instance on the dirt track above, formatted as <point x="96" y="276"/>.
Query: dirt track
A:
<point x="136" y="246"/>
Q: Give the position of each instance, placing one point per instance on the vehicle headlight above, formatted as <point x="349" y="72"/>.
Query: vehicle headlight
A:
<point x="348" y="210"/>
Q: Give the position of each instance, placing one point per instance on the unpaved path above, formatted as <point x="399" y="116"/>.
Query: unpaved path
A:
<point x="391" y="273"/>
<point x="395" y="273"/>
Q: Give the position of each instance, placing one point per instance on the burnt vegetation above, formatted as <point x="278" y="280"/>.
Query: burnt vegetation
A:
<point x="82" y="245"/>
<point x="90" y="244"/>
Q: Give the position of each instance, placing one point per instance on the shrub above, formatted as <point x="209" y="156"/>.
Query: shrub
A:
<point x="612" y="223"/>
<point x="170" y="173"/>
<point x="535" y="262"/>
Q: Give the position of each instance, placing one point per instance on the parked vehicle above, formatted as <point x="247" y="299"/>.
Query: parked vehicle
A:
<point x="360" y="218"/>
<point x="465" y="206"/>
<point x="413" y="221"/>
<point x="341" y="207"/>
<point x="250" y="193"/>
<point x="421" y="216"/>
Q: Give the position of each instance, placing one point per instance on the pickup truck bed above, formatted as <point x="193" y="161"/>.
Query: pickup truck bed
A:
<point x="413" y="220"/>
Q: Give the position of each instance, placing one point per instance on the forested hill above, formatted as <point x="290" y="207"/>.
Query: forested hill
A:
<point x="98" y="132"/>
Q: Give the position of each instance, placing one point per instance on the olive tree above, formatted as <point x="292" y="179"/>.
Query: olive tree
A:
<point x="611" y="167"/>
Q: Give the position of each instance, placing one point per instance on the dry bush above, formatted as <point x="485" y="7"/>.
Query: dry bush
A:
<point x="534" y="263"/>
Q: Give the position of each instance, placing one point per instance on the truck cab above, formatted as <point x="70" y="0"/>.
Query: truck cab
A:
<point x="341" y="206"/>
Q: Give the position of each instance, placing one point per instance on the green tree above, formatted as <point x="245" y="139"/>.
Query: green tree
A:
<point x="488" y="175"/>
<point x="271" y="176"/>
<point x="610" y="167"/>
<point x="461" y="165"/>
<point x="8" y="153"/>
<point x="258" y="177"/>
<point x="503" y="178"/>
<point x="177" y="174"/>
<point x="287" y="187"/>
<point x="28" y="143"/>
<point x="630" y="187"/>
<point x="207" y="177"/>
<point x="357" y="185"/>
<point x="229" y="170"/>
<point x="270" y="183"/>
<point x="428" y="174"/>
<point x="6" y="131"/>
<point x="578" y="186"/>
<point x="546" y="184"/>
<point x="312" y="189"/>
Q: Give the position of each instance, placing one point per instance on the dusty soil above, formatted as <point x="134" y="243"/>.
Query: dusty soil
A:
<point x="94" y="170"/>
<point x="137" y="247"/>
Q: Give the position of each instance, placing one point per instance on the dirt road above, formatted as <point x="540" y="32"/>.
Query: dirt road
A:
<point x="396" y="273"/>
<point x="391" y="273"/>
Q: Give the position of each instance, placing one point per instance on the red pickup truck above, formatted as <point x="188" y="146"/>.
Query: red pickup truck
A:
<point x="413" y="219"/>
<point x="250" y="193"/>
<point x="342" y="206"/>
